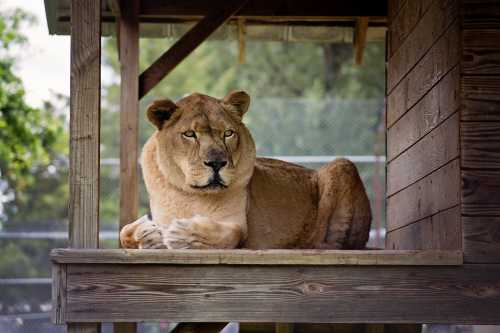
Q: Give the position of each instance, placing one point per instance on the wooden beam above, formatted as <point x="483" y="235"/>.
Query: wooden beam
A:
<point x="242" y="41"/>
<point x="85" y="115"/>
<point x="184" y="46"/>
<point x="269" y="8"/>
<point x="468" y="294"/>
<point x="360" y="33"/>
<point x="129" y="121"/>
<point x="259" y="257"/>
<point x="114" y="5"/>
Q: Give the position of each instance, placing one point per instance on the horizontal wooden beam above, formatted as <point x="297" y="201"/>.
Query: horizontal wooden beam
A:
<point x="467" y="294"/>
<point x="184" y="46"/>
<point x="270" y="8"/>
<point x="259" y="257"/>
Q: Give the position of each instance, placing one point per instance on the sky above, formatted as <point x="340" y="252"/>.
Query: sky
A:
<point x="44" y="64"/>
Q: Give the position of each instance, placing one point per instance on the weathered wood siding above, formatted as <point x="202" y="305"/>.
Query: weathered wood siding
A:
<point x="423" y="125"/>
<point x="480" y="130"/>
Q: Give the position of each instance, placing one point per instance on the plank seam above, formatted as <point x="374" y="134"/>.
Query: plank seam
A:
<point x="421" y="219"/>
<point x="445" y="30"/>
<point x="420" y="139"/>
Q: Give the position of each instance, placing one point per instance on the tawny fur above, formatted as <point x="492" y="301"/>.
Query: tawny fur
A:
<point x="267" y="203"/>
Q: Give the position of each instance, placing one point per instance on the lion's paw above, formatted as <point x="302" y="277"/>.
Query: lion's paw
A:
<point x="182" y="234"/>
<point x="149" y="235"/>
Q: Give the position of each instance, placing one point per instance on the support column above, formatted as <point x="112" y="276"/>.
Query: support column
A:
<point x="85" y="132"/>
<point x="129" y="121"/>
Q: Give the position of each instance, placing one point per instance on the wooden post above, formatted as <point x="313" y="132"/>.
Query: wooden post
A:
<point x="85" y="131"/>
<point x="360" y="33"/>
<point x="129" y="121"/>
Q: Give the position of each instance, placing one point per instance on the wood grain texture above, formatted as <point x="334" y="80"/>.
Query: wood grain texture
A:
<point x="430" y="195"/>
<point x="370" y="294"/>
<point x="185" y="45"/>
<point x="394" y="8"/>
<point x="58" y="293"/>
<point x="258" y="257"/>
<point x="85" y="114"/>
<point x="129" y="112"/>
<point x="404" y="23"/>
<point x="481" y="51"/>
<point x="481" y="239"/>
<point x="436" y="106"/>
<point x="481" y="100"/>
<point x="480" y="192"/>
<point x="480" y="144"/>
<point x="409" y="45"/>
<point x="436" y="63"/>
<point x="433" y="151"/>
<point x="440" y="231"/>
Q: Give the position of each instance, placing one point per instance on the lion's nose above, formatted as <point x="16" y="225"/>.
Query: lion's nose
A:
<point x="216" y="165"/>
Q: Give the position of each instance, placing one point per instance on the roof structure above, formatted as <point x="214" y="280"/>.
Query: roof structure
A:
<point x="272" y="20"/>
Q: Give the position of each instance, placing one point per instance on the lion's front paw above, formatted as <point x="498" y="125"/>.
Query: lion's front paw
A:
<point x="150" y="236"/>
<point x="183" y="234"/>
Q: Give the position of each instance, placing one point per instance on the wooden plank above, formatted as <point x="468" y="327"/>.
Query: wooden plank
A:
<point x="360" y="33"/>
<point x="479" y="14"/>
<point x="58" y="293"/>
<point x="436" y="106"/>
<point x="129" y="113"/>
<point x="480" y="144"/>
<point x="433" y="151"/>
<point x="256" y="257"/>
<point x="481" y="239"/>
<point x="480" y="192"/>
<point x="481" y="51"/>
<point x="398" y="294"/>
<point x="184" y="46"/>
<point x="440" y="59"/>
<point x="430" y="195"/>
<point x="85" y="112"/>
<point x="481" y="100"/>
<point x="405" y="22"/>
<point x="85" y="124"/>
<point x="409" y="46"/>
<point x="394" y="7"/>
<point x="440" y="231"/>
<point x="283" y="9"/>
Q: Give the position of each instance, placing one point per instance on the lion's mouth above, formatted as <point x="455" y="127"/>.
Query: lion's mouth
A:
<point x="215" y="182"/>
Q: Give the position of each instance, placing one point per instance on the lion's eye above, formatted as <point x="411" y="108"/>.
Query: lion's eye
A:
<point x="189" y="134"/>
<point x="228" y="133"/>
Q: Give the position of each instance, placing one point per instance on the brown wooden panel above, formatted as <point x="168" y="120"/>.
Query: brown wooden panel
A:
<point x="480" y="192"/>
<point x="481" y="239"/>
<point x="441" y="58"/>
<point x="433" y="151"/>
<point x="84" y="123"/>
<point x="436" y="192"/>
<point x="481" y="98"/>
<point x="481" y="51"/>
<point x="439" y="231"/>
<point x="437" y="105"/>
<point x="480" y="14"/>
<point x="406" y="20"/>
<point x="394" y="7"/>
<point x="370" y="294"/>
<point x="256" y="257"/>
<point x="480" y="144"/>
<point x="433" y="24"/>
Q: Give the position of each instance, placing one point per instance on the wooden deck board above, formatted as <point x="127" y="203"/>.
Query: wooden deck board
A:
<point x="259" y="257"/>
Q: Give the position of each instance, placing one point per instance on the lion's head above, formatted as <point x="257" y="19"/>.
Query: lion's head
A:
<point x="203" y="145"/>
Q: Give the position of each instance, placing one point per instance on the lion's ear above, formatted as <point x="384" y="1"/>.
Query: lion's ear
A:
<point x="238" y="101"/>
<point x="161" y="111"/>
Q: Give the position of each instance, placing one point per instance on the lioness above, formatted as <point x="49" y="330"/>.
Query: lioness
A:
<point x="208" y="190"/>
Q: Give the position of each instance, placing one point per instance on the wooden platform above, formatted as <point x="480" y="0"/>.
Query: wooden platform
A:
<point x="273" y="286"/>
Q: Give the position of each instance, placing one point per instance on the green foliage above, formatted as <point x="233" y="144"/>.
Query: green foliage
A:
<point x="30" y="136"/>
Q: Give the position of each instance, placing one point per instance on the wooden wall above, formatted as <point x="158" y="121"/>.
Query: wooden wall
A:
<point x="423" y="125"/>
<point x="443" y="127"/>
<point x="480" y="130"/>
